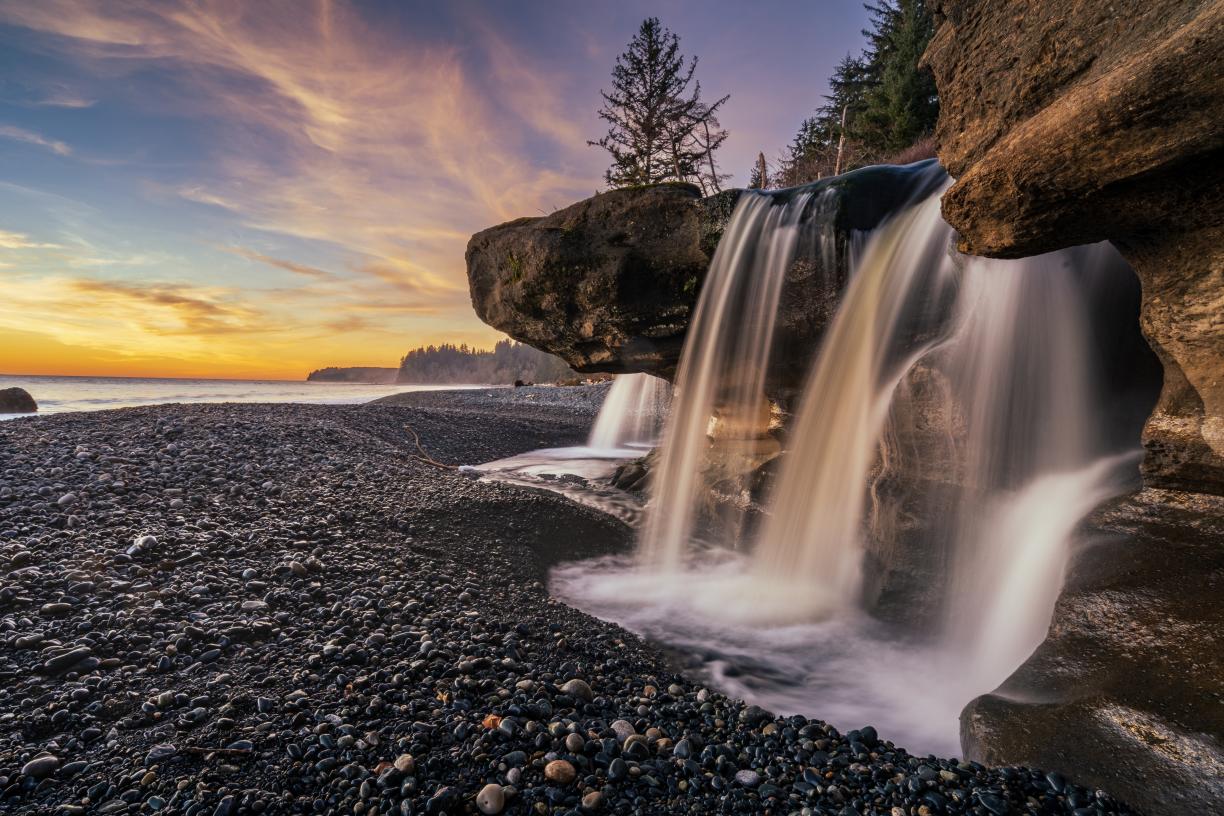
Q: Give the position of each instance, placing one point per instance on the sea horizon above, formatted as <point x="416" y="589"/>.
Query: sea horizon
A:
<point x="64" y="393"/>
<point x="138" y="377"/>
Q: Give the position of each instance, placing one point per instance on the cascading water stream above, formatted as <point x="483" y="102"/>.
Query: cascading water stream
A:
<point x="1035" y="459"/>
<point x="626" y="427"/>
<point x="721" y="377"/>
<point x="780" y="618"/>
<point x="632" y="413"/>
<point x="808" y="556"/>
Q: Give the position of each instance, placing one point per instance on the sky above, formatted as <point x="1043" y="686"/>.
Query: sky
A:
<point x="258" y="189"/>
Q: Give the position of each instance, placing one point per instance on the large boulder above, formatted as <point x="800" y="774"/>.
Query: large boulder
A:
<point x="610" y="284"/>
<point x="1073" y="121"/>
<point x="17" y="401"/>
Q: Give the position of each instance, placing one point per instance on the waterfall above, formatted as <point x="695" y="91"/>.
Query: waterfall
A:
<point x="1035" y="456"/>
<point x="632" y="413"/>
<point x="809" y="553"/>
<point x="720" y="381"/>
<point x="781" y="614"/>
<point x="1009" y="571"/>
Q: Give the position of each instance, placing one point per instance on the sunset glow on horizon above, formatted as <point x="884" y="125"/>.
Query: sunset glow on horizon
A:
<point x="257" y="190"/>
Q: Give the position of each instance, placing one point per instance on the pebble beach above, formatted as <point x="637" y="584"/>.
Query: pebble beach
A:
<point x="237" y="609"/>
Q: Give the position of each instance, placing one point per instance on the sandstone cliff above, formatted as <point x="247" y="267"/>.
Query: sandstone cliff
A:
<point x="1075" y="121"/>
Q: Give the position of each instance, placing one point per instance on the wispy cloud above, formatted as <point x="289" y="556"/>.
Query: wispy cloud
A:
<point x="521" y="84"/>
<point x="19" y="240"/>
<point x="354" y="145"/>
<point x="326" y="126"/>
<point x="351" y="101"/>
<point x="199" y="195"/>
<point x="298" y="269"/>
<point x="18" y="134"/>
<point x="155" y="317"/>
<point x="78" y="324"/>
<point x="55" y="96"/>
<point x="62" y="97"/>
<point x="351" y="323"/>
<point x="169" y="309"/>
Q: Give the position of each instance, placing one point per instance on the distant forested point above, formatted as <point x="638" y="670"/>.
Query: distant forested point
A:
<point x="354" y="374"/>
<point x="507" y="363"/>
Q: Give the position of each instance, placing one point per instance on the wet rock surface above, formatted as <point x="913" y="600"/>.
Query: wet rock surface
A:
<point x="1069" y="122"/>
<point x="1127" y="692"/>
<point x="1183" y="288"/>
<point x="279" y="609"/>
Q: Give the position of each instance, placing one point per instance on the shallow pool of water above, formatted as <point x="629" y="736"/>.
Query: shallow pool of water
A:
<point x="847" y="669"/>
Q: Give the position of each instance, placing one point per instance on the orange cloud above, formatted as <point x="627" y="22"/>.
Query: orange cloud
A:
<point x="280" y="263"/>
<point x="170" y="309"/>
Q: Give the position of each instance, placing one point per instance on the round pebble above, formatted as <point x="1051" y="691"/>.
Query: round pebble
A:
<point x="560" y="772"/>
<point x="491" y="799"/>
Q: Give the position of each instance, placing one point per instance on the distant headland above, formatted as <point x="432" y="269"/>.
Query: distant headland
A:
<point x="506" y="363"/>
<point x="354" y="374"/>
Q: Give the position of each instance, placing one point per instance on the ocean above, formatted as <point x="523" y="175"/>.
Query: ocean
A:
<point x="56" y="395"/>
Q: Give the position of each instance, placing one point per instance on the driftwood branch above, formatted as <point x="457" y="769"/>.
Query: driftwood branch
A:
<point x="425" y="457"/>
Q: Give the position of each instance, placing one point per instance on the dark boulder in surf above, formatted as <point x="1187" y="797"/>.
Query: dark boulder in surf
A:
<point x="17" y="401"/>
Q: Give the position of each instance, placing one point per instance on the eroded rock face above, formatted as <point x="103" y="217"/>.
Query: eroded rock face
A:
<point x="1183" y="318"/>
<point x="610" y="283"/>
<point x="16" y="401"/>
<point x="1076" y="121"/>
<point x="1126" y="691"/>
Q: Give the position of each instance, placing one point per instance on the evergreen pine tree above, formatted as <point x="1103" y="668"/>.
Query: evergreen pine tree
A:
<point x="901" y="104"/>
<point x="658" y="127"/>
<point x="879" y="102"/>
<point x="758" y="179"/>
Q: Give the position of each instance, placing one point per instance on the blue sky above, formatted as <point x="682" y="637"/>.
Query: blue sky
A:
<point x="263" y="188"/>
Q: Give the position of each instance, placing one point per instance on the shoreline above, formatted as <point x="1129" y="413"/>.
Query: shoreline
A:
<point x="266" y="608"/>
<point x="57" y="395"/>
